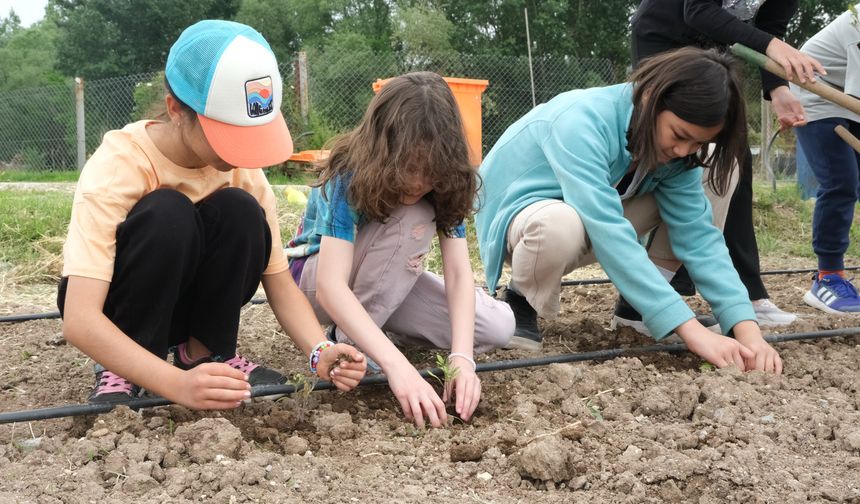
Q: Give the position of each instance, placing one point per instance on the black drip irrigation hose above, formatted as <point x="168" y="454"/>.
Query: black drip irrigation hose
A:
<point x="591" y="281"/>
<point x="273" y="390"/>
<point x="598" y="281"/>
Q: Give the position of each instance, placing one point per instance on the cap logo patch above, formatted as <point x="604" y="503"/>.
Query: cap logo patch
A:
<point x="259" y="96"/>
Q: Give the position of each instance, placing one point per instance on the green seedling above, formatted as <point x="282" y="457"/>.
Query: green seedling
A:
<point x="25" y="355"/>
<point x="449" y="373"/>
<point x="594" y="410"/>
<point x="303" y="387"/>
<point x="706" y="366"/>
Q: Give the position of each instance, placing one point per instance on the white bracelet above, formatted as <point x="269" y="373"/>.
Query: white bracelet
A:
<point x="458" y="354"/>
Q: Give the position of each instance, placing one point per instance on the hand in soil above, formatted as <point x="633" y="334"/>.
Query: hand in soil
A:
<point x="719" y="350"/>
<point x="766" y="357"/>
<point x="213" y="385"/>
<point x="343" y="364"/>
<point x="417" y="397"/>
<point x="466" y="387"/>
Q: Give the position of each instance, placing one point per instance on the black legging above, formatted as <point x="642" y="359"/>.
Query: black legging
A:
<point x="185" y="270"/>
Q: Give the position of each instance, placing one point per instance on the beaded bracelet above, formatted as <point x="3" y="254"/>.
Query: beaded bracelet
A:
<point x="458" y="354"/>
<point x="314" y="358"/>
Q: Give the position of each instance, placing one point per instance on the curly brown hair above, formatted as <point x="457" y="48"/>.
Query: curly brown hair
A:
<point x="412" y="128"/>
<point x="701" y="87"/>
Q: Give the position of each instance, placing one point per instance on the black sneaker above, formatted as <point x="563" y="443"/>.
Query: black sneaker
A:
<point x="682" y="283"/>
<point x="257" y="374"/>
<point x="627" y="316"/>
<point x="111" y="388"/>
<point x="526" y="334"/>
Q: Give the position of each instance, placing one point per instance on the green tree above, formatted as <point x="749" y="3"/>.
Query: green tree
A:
<point x="811" y="17"/>
<point x="288" y="26"/>
<point x="28" y="57"/>
<point x="422" y="37"/>
<point x="102" y="38"/>
<point x="370" y="19"/>
<point x="9" y="25"/>
<point x="564" y="27"/>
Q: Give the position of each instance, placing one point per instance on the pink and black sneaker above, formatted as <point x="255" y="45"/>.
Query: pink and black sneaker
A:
<point x="257" y="374"/>
<point x="112" y="388"/>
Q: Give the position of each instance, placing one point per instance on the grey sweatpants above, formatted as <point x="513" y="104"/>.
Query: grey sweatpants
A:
<point x="389" y="280"/>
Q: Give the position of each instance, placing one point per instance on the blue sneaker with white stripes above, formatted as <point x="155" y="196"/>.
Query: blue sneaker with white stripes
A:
<point x="833" y="294"/>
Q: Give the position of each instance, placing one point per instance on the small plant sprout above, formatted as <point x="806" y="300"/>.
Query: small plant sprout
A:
<point x="449" y="373"/>
<point x="594" y="410"/>
<point x="303" y="387"/>
<point x="706" y="366"/>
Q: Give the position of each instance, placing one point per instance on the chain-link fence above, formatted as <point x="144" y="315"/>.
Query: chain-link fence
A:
<point x="38" y="126"/>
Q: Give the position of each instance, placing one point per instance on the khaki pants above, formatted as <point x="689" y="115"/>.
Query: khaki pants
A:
<point x="389" y="280"/>
<point x="547" y="240"/>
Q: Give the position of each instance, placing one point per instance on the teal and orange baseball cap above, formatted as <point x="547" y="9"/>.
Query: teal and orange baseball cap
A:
<point x="227" y="73"/>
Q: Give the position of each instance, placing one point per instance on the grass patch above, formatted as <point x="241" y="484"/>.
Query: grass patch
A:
<point x="292" y="177"/>
<point x="783" y="222"/>
<point x="33" y="226"/>
<point x="276" y="176"/>
<point x="38" y="176"/>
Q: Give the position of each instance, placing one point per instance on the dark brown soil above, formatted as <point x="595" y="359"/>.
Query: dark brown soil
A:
<point x="654" y="428"/>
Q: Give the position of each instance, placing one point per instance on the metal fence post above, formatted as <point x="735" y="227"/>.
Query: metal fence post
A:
<point x="766" y="139"/>
<point x="80" y="123"/>
<point x="302" y="85"/>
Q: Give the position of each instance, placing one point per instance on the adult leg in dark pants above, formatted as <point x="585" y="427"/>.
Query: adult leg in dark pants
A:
<point x="739" y="234"/>
<point x="837" y="169"/>
<point x="183" y="271"/>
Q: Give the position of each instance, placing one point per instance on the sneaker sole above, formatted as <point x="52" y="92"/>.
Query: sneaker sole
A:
<point x="521" y="343"/>
<point x="774" y="323"/>
<point x="813" y="301"/>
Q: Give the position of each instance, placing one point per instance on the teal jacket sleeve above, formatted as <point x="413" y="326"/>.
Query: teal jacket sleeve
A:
<point x="582" y="146"/>
<point x="698" y="244"/>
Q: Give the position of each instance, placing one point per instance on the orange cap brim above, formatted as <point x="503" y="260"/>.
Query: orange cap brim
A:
<point x="249" y="146"/>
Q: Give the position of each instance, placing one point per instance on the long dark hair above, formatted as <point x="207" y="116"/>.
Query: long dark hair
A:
<point x="701" y="87"/>
<point x="412" y="127"/>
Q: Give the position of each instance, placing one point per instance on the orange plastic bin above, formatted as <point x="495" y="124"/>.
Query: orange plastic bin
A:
<point x="467" y="92"/>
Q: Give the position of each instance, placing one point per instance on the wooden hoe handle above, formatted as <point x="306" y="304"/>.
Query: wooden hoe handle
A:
<point x="823" y="90"/>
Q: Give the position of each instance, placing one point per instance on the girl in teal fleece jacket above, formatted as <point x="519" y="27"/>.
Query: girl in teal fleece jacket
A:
<point x="580" y="178"/>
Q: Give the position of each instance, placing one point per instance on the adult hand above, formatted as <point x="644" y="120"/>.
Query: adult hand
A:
<point x="793" y="61"/>
<point x="714" y="348"/>
<point x="417" y="397"/>
<point x="765" y="356"/>
<point x="787" y="108"/>
<point x="343" y="364"/>
<point x="466" y="387"/>
<point x="213" y="385"/>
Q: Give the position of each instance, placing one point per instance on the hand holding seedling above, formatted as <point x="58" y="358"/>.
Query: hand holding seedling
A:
<point x="765" y="356"/>
<point x="719" y="350"/>
<point x="213" y="385"/>
<point x="465" y="385"/>
<point x="343" y="364"/>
